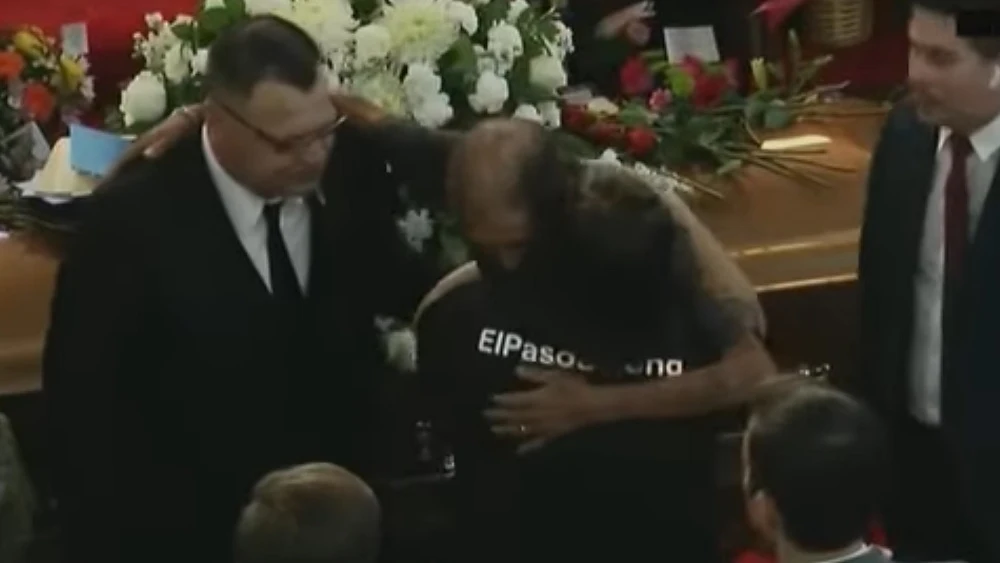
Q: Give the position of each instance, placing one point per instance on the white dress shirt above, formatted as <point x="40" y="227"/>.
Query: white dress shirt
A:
<point x="925" y="355"/>
<point x="246" y="213"/>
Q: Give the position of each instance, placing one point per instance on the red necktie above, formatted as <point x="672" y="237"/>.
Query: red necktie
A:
<point x="956" y="207"/>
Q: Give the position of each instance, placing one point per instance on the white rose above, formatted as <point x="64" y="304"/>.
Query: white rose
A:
<point x="528" y="112"/>
<point x="434" y="111"/>
<point x="564" y="40"/>
<point x="401" y="349"/>
<point x="517" y="7"/>
<point x="551" y="114"/>
<point x="199" y="63"/>
<point x="504" y="43"/>
<point x="154" y="21"/>
<point x="490" y="95"/>
<point x="209" y="4"/>
<point x="609" y="155"/>
<point x="547" y="72"/>
<point x="177" y="63"/>
<point x="465" y="15"/>
<point x="254" y="7"/>
<point x="182" y="19"/>
<point x="371" y="43"/>
<point x="144" y="99"/>
<point x="421" y="83"/>
<point x="416" y="227"/>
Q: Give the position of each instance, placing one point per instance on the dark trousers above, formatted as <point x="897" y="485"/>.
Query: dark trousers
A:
<point x="927" y="514"/>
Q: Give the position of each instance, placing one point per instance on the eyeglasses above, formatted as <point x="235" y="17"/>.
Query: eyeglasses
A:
<point x="295" y="144"/>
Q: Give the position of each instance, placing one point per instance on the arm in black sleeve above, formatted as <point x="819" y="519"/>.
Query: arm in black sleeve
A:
<point x="417" y="156"/>
<point x="89" y="385"/>
<point x="873" y="255"/>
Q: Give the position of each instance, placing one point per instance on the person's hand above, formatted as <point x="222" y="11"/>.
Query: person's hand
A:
<point x="157" y="140"/>
<point x="358" y="110"/>
<point x="616" y="23"/>
<point x="562" y="403"/>
<point x="638" y="33"/>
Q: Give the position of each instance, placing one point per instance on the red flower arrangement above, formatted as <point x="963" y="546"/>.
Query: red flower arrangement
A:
<point x="36" y="80"/>
<point x="691" y="116"/>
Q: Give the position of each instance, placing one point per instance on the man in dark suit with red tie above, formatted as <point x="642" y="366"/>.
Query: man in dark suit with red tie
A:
<point x="929" y="274"/>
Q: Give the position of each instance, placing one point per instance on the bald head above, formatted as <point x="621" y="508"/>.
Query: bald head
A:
<point x="504" y="176"/>
<point x="485" y="166"/>
<point x="314" y="512"/>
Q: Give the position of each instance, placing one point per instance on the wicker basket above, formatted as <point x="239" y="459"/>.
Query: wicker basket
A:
<point x="838" y="23"/>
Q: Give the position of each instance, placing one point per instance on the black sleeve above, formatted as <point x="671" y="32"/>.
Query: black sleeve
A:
<point x="437" y="365"/>
<point x="417" y="157"/>
<point x="362" y="207"/>
<point x="874" y="253"/>
<point x="90" y="380"/>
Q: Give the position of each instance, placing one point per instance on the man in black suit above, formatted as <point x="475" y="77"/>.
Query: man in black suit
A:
<point x="213" y="319"/>
<point x="801" y="434"/>
<point x="929" y="271"/>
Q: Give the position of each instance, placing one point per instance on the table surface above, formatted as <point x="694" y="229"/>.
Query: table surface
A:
<point x="782" y="234"/>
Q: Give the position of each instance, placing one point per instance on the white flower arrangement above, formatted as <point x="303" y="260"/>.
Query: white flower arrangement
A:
<point x="439" y="62"/>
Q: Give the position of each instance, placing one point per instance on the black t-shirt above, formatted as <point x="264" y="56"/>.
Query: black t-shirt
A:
<point x="630" y="491"/>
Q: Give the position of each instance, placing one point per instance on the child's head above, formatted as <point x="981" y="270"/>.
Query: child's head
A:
<point x="814" y="460"/>
<point x="312" y="513"/>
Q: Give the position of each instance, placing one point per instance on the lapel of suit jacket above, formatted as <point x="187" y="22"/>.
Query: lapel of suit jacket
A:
<point x="916" y="161"/>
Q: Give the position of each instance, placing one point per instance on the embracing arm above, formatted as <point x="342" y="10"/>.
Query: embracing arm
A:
<point x="721" y="277"/>
<point x="418" y="156"/>
<point x="86" y="374"/>
<point x="732" y="381"/>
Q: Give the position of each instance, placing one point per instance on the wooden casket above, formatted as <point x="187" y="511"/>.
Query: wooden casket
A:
<point x="799" y="243"/>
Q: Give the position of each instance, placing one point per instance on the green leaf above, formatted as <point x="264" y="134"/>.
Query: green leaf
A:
<point x="710" y="137"/>
<point x="463" y="60"/>
<point x="729" y="167"/>
<point x="681" y="83"/>
<point x="634" y="115"/>
<point x="777" y="116"/>
<point x="493" y="12"/>
<point x="236" y="8"/>
<point x="184" y="32"/>
<point x="214" y="20"/>
<point x="754" y="109"/>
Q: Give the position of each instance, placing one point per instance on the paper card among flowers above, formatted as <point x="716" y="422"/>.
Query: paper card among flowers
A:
<point x="76" y="164"/>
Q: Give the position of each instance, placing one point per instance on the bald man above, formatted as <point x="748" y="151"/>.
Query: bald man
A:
<point x="582" y="371"/>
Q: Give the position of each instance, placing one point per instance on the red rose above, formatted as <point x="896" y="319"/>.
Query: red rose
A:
<point x="607" y="133"/>
<point x="38" y="102"/>
<point x="635" y="78"/>
<point x="709" y="90"/>
<point x="576" y="118"/>
<point x="659" y="99"/>
<point x="640" y="141"/>
<point x="692" y="66"/>
<point x="11" y="65"/>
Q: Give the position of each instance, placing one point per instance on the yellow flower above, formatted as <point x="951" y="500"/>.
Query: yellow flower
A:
<point x="758" y="67"/>
<point x="72" y="72"/>
<point x="29" y="43"/>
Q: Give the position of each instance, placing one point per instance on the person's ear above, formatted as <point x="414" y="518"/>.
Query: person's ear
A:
<point x="995" y="78"/>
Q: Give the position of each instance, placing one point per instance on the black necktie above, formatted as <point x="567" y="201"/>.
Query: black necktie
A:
<point x="284" y="282"/>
